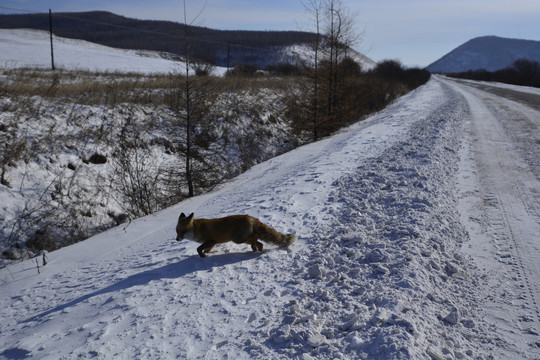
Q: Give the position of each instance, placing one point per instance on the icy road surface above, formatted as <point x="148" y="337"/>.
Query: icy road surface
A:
<point x="417" y="238"/>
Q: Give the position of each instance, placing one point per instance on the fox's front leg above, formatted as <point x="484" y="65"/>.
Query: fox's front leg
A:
<point x="205" y="247"/>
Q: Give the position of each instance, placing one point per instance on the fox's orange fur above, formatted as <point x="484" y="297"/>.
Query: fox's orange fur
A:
<point x="236" y="228"/>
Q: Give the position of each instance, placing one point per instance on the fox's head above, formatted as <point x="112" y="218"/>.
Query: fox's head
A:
<point x="184" y="227"/>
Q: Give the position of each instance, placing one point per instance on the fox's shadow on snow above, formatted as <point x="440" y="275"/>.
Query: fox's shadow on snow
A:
<point x="171" y="271"/>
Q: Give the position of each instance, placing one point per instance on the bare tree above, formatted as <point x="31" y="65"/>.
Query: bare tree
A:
<point x="137" y="173"/>
<point x="192" y="99"/>
<point x="314" y="9"/>
<point x="335" y="35"/>
<point x="341" y="36"/>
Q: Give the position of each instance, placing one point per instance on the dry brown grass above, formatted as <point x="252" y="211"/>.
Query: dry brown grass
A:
<point x="93" y="88"/>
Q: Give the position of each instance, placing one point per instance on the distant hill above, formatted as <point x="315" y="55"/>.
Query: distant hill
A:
<point x="219" y="47"/>
<point x="488" y="52"/>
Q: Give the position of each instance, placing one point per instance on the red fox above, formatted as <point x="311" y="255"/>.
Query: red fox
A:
<point x="236" y="228"/>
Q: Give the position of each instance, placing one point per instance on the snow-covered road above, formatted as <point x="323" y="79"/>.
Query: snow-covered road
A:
<point x="417" y="239"/>
<point x="501" y="209"/>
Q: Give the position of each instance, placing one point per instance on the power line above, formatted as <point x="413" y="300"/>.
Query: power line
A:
<point x="23" y="10"/>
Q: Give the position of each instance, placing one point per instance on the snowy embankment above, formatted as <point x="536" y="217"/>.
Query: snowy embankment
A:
<point x="377" y="271"/>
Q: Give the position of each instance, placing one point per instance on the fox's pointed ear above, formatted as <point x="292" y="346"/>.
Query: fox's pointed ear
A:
<point x="182" y="215"/>
<point x="191" y="216"/>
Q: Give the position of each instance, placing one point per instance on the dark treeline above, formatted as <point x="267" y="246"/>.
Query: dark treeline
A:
<point x="218" y="47"/>
<point x="393" y="70"/>
<point x="522" y="72"/>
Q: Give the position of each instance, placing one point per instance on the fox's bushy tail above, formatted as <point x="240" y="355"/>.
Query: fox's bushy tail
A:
<point x="267" y="234"/>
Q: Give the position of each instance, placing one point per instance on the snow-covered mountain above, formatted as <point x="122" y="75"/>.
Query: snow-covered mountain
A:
<point x="489" y="52"/>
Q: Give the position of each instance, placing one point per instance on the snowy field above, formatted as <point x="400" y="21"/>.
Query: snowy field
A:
<point x="32" y="48"/>
<point x="417" y="238"/>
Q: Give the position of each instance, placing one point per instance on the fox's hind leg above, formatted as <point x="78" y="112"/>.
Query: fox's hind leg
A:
<point x="206" y="247"/>
<point x="256" y="245"/>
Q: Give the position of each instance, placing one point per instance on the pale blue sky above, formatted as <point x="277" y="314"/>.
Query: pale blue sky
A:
<point x="417" y="32"/>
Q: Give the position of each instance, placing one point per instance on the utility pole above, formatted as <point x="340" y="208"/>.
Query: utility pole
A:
<point x="51" y="34"/>
<point x="228" y="55"/>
